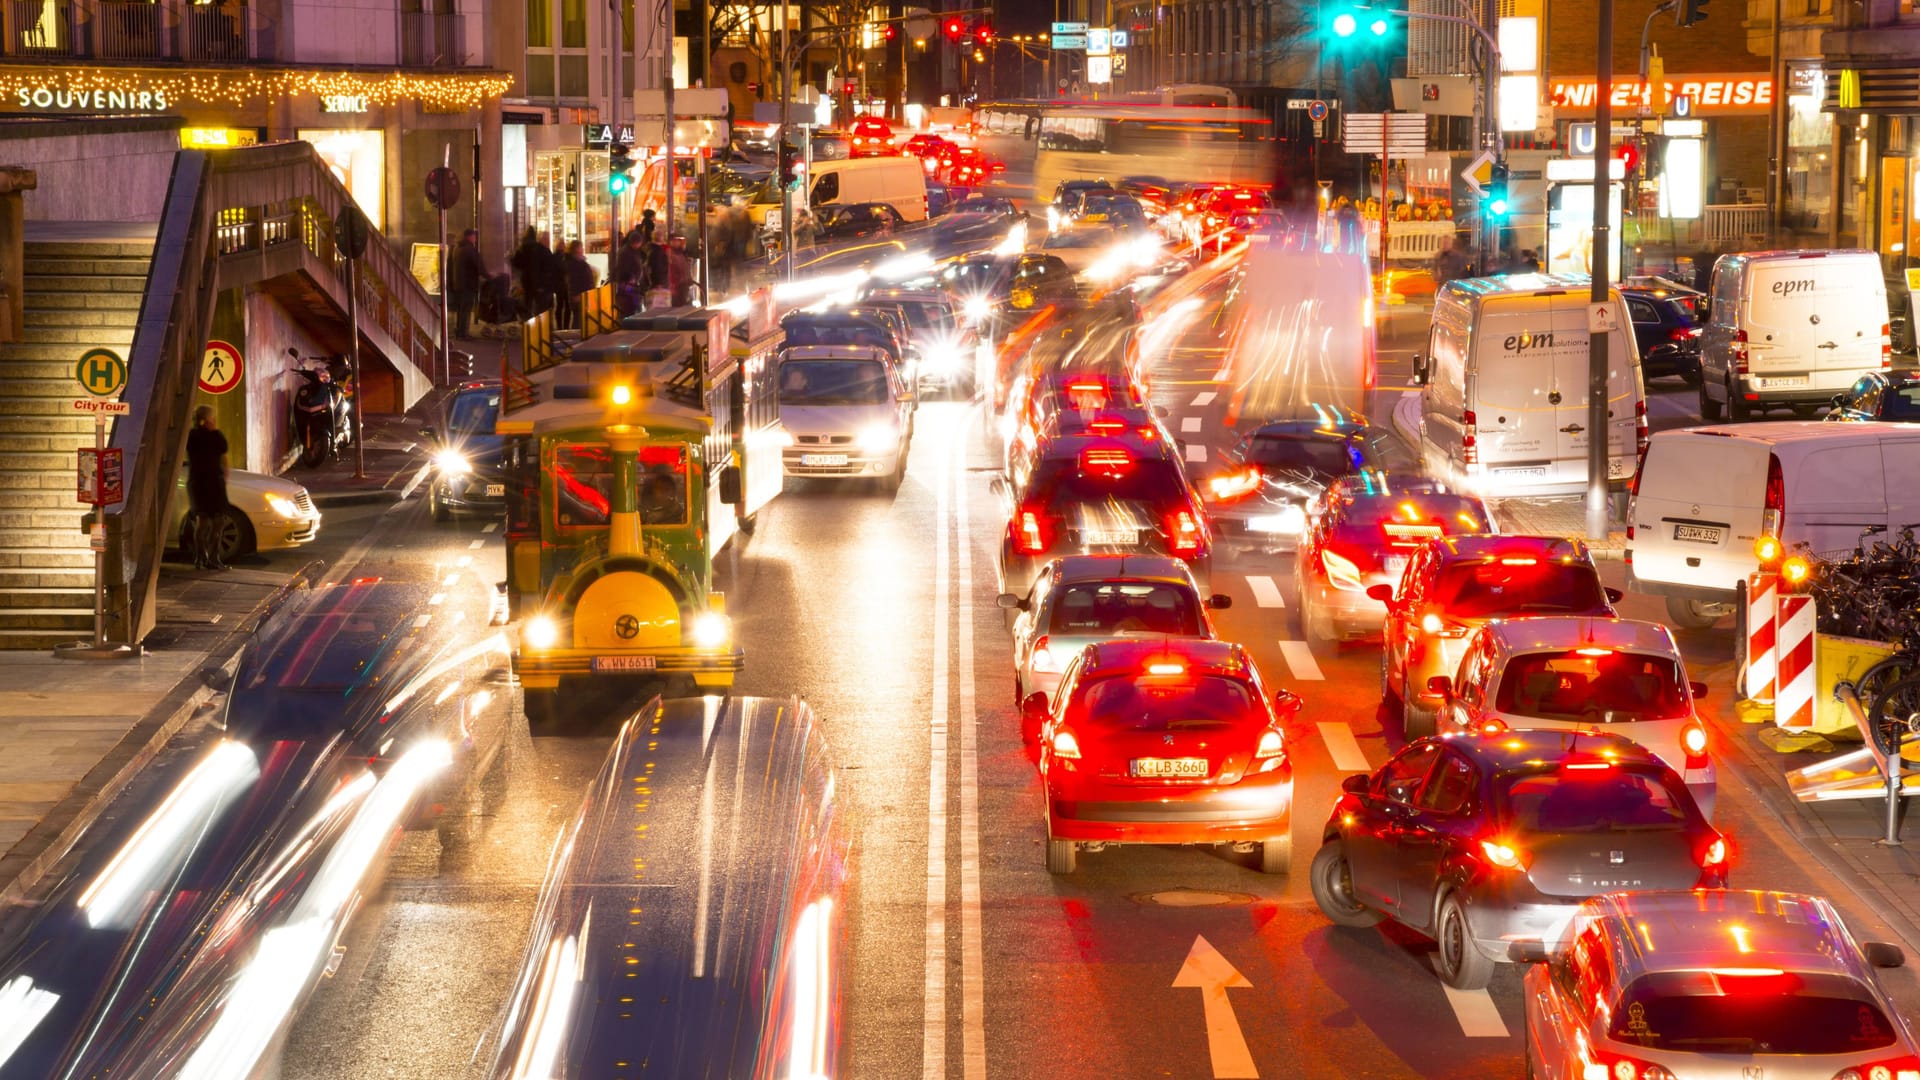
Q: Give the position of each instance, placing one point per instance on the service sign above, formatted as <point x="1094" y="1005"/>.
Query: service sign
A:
<point x="1711" y="95"/>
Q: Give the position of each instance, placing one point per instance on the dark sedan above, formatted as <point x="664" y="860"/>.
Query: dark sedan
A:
<point x="467" y="476"/>
<point x="1892" y="396"/>
<point x="858" y="220"/>
<point x="1666" y="325"/>
<point x="1260" y="500"/>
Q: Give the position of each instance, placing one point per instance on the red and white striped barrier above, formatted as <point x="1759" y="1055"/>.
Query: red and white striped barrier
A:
<point x="1763" y="594"/>
<point x="1793" y="698"/>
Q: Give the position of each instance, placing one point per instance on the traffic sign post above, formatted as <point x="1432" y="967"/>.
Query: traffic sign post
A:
<point x="443" y="192"/>
<point x="352" y="229"/>
<point x="220" y="368"/>
<point x="101" y="374"/>
<point x="1389" y="135"/>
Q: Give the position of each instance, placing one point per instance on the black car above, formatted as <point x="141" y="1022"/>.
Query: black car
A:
<point x="468" y="477"/>
<point x="803" y="328"/>
<point x="1260" y="498"/>
<point x="1482" y="841"/>
<point x="856" y="220"/>
<point x="1892" y="396"/>
<point x="1666" y="324"/>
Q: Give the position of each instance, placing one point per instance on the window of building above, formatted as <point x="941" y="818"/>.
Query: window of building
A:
<point x="540" y="25"/>
<point x="573" y="24"/>
<point x="1807" y="188"/>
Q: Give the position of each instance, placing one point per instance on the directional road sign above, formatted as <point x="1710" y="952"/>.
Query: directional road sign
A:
<point x="1398" y="135"/>
<point x="1479" y="172"/>
<point x="1063" y="42"/>
<point x="1069" y="28"/>
<point x="101" y="372"/>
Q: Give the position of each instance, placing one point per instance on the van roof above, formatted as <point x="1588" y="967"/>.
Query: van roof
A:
<point x="1779" y="432"/>
<point x="1510" y="284"/>
<point x="1784" y="254"/>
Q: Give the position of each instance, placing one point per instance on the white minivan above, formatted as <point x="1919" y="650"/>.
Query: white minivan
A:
<point x="1504" y="410"/>
<point x="899" y="182"/>
<point x="1704" y="495"/>
<point x="1790" y="328"/>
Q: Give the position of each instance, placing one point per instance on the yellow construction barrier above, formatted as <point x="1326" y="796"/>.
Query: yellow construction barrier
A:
<point x="1837" y="659"/>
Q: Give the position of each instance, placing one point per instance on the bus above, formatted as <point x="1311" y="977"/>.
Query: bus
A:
<point x="633" y="456"/>
<point x="1177" y="142"/>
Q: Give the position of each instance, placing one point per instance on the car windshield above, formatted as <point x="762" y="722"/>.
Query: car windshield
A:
<point x="473" y="413"/>
<point x="926" y="316"/>
<point x="1409" y="516"/>
<point x="1598" y="686"/>
<point x="1900" y="403"/>
<point x="833" y="382"/>
<point x="1151" y="482"/>
<point x="801" y="332"/>
<point x="1591" y="797"/>
<point x="1483" y="588"/>
<point x="1751" y="1011"/>
<point x="1323" y="454"/>
<point x="1111" y="608"/>
<point x="1134" y="702"/>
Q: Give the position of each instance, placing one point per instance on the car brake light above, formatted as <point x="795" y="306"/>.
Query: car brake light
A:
<point x="1235" y="485"/>
<point x="1519" y="560"/>
<point x="1886" y="346"/>
<point x="1901" y="1068"/>
<point x="1166" y="669"/>
<point x="1600" y="1065"/>
<point x="1183" y="533"/>
<point x="1693" y="739"/>
<point x="1715" y="854"/>
<point x="1492" y="726"/>
<point x="1593" y="650"/>
<point x="1101" y="459"/>
<point x="1043" y="660"/>
<point x="1106" y="427"/>
<point x="1270" y="745"/>
<point x="1740" y="352"/>
<point x="1641" y="434"/>
<point x="1431" y="623"/>
<point x="1341" y="572"/>
<point x="1065" y="745"/>
<point x="1500" y="854"/>
<point x="1086" y="387"/>
<point x="1030" y="538"/>
<point x="1469" y="438"/>
<point x="1773" y="518"/>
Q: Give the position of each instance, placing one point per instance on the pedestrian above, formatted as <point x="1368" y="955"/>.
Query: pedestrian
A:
<point x="580" y="281"/>
<point x="206" y="487"/>
<point x="1451" y="263"/>
<point x="679" y="273"/>
<point x="464" y="277"/>
<point x="632" y="274"/>
<point x="1529" y="262"/>
<point x="530" y="265"/>
<point x="556" y="283"/>
<point x="805" y="228"/>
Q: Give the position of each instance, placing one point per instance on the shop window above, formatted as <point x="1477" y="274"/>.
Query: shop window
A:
<point x="573" y="76"/>
<point x="540" y="28"/>
<point x="1807" y="188"/>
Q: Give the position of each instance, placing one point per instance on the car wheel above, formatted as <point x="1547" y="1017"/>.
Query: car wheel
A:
<point x="436" y="505"/>
<point x="1332" y="884"/>
<point x="236" y="535"/>
<point x="1531" y="1072"/>
<point x="1062" y="856"/>
<point x="1461" y="963"/>
<point x="1693" y="614"/>
<point x="1738" y="410"/>
<point x="542" y="708"/>
<point x="1389" y="693"/>
<point x="1710" y="410"/>
<point x="1276" y="856"/>
<point x="1417" y="721"/>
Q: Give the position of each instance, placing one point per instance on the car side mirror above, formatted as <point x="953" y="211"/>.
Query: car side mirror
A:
<point x="1419" y="369"/>
<point x="1528" y="952"/>
<point x="1356" y="784"/>
<point x="1882" y="954"/>
<point x="730" y="486"/>
<point x="1382" y="593"/>
<point x="216" y="679"/>
<point x="1287" y="704"/>
<point x="1033" y="708"/>
<point x="1011" y="601"/>
<point x="1219" y="601"/>
<point x="1699" y="689"/>
<point x="1162" y="412"/>
<point x="1614" y="595"/>
<point x="1440" y="684"/>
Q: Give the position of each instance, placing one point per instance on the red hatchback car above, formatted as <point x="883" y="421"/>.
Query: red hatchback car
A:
<point x="871" y="138"/>
<point x="1165" y="741"/>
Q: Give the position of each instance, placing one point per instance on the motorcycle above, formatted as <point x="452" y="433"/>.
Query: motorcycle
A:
<point x="322" y="414"/>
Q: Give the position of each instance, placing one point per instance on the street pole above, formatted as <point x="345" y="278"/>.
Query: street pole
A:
<point x="353" y="352"/>
<point x="446" y="346"/>
<point x="786" y="108"/>
<point x="1597" y="419"/>
<point x="706" y="255"/>
<point x="673" y="163"/>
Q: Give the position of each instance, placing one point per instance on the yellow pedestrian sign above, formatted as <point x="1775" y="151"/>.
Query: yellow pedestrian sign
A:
<point x="101" y="372"/>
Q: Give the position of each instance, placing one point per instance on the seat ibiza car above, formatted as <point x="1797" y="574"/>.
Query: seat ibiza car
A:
<point x="1166" y="741"/>
<point x="1583" y="674"/>
<point x="1454" y="586"/>
<point x="1738" y="984"/>
<point x="1480" y="841"/>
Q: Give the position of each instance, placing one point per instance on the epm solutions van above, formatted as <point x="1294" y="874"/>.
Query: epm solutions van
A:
<point x="1504" y="405"/>
<point x="1790" y="328"/>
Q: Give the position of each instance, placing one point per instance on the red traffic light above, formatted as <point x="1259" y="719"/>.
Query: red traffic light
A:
<point x="954" y="28"/>
<point x="1629" y="155"/>
<point x="985" y="33"/>
<point x="890" y="32"/>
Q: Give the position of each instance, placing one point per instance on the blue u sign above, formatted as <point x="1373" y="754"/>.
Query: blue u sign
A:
<point x="1580" y="139"/>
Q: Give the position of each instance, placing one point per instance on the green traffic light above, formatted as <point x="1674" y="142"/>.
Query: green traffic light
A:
<point x="617" y="183"/>
<point x="1344" y="24"/>
<point x="1378" y="27"/>
<point x="1498" y="208"/>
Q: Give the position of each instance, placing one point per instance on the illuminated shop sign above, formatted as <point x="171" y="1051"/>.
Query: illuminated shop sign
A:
<point x="344" y="103"/>
<point x="1708" y="93"/>
<point x="48" y="98"/>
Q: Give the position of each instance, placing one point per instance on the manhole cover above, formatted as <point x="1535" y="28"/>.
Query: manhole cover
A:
<point x="1193" y="898"/>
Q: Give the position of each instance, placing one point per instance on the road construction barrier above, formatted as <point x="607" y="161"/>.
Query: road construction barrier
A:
<point x="1763" y="597"/>
<point x="1793" y="698"/>
<point x="1866" y="773"/>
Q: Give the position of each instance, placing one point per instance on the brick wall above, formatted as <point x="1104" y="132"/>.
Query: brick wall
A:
<point x="1716" y="45"/>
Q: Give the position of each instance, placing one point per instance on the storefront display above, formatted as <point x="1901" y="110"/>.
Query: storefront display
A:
<point x="359" y="159"/>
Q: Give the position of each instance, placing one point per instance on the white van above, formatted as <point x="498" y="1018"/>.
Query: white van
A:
<point x="900" y="182"/>
<point x="1705" y="494"/>
<point x="1504" y="411"/>
<point x="1790" y="328"/>
<point x="846" y="411"/>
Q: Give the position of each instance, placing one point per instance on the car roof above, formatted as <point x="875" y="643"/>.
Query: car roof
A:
<point x="910" y="296"/>
<point x="1372" y="484"/>
<point x="1165" y="568"/>
<point x="1510" y="545"/>
<point x="1338" y="423"/>
<point x="1689" y="930"/>
<point x="1530" y="748"/>
<point x="1202" y="654"/>
<point x="1545" y="633"/>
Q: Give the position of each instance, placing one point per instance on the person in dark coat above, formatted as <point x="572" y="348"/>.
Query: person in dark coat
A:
<point x="556" y="282"/>
<point x="632" y="274"/>
<point x="465" y="274"/>
<point x="581" y="279"/>
<point x="206" y="487"/>
<point x="531" y="265"/>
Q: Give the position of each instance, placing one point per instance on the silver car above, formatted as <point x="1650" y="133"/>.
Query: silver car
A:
<point x="1713" y="985"/>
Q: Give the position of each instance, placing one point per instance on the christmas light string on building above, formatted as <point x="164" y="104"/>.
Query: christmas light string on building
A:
<point x="123" y="88"/>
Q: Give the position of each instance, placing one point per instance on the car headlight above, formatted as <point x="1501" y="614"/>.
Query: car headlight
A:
<point x="878" y="439"/>
<point x="452" y="462"/>
<point x="541" y="632"/>
<point x="977" y="308"/>
<point x="783" y="437"/>
<point x="285" y="508"/>
<point x="709" y="630"/>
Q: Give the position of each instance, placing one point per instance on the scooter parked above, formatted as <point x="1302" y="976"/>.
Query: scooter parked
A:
<point x="322" y="414"/>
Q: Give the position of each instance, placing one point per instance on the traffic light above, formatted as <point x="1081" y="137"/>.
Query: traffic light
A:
<point x="1360" y="21"/>
<point x="984" y="32"/>
<point x="890" y="32"/>
<point x="954" y="29"/>
<point x="1629" y="154"/>
<point x="619" y="170"/>
<point x="789" y="164"/>
<point x="1688" y="12"/>
<point x="1497" y="204"/>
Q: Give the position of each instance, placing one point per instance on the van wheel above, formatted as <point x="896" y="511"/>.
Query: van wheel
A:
<point x="1737" y="408"/>
<point x="1710" y="409"/>
<point x="1694" y="614"/>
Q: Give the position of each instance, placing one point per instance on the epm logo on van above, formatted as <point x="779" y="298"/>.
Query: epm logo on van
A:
<point x="1529" y="341"/>
<point x="1788" y="288"/>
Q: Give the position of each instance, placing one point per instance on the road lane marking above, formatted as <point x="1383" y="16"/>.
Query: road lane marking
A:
<point x="436" y="599"/>
<point x="1475" y="1010"/>
<point x="1342" y="747"/>
<point x="452" y="580"/>
<point x="933" y="1046"/>
<point x="490" y="526"/>
<point x="420" y="621"/>
<point x="1299" y="658"/>
<point x="418" y="478"/>
<point x="476" y="545"/>
<point x="1265" y="592"/>
<point x="1204" y="399"/>
<point x="1190" y="424"/>
<point x="1196" y="453"/>
<point x="973" y="979"/>
<point x="1207" y="971"/>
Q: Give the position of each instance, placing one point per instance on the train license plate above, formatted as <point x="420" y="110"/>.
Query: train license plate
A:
<point x="823" y="459"/>
<point x="1180" y="768"/>
<point x="1781" y="382"/>
<point x="1698" y="534"/>
<point x="495" y="491"/>
<point x="625" y="663"/>
<point x="1110" y="537"/>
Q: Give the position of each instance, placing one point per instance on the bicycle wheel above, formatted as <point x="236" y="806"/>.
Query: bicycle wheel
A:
<point x="1895" y="715"/>
<point x="1882" y="674"/>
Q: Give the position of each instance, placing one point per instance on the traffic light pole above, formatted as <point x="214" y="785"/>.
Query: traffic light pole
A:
<point x="1489" y="124"/>
<point x="1598" y="426"/>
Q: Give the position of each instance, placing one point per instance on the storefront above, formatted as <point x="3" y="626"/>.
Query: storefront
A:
<point x="1806" y="168"/>
<point x="1723" y="116"/>
<point x="566" y="193"/>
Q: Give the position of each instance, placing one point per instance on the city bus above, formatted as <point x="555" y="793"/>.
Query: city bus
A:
<point x="633" y="456"/>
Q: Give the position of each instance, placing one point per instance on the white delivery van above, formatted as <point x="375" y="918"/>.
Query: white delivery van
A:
<point x="1504" y="410"/>
<point x="1704" y="495"/>
<point x="900" y="182"/>
<point x="1790" y="328"/>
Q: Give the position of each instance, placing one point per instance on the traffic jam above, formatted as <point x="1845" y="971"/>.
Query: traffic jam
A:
<point x="947" y="656"/>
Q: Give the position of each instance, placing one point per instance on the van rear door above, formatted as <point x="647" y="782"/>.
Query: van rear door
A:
<point x="1518" y="345"/>
<point x="1813" y="321"/>
<point x="1698" y="509"/>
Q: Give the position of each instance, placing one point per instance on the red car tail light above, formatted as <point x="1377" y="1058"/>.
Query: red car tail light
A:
<point x="1900" y="1068"/>
<point x="1504" y="855"/>
<point x="1099" y="459"/>
<point x="1341" y="571"/>
<point x="1065" y="745"/>
<point x="1469" y="438"/>
<point x="1600" y="1065"/>
<point x="1642" y="437"/>
<point x="1270" y="746"/>
<point x="1693" y="740"/>
<point x="1237" y="484"/>
<point x="1043" y="660"/>
<point x="1029" y="534"/>
<point x="1714" y="855"/>
<point x="1433" y="624"/>
<point x="1492" y="726"/>
<point x="1739" y="355"/>
<point x="1183" y="533"/>
<point x="1773" y="516"/>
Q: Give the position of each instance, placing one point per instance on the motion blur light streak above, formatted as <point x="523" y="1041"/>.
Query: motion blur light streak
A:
<point x="552" y="1009"/>
<point x="382" y="813"/>
<point x="811" y="976"/>
<point x="22" y="1007"/>
<point x="164" y="836"/>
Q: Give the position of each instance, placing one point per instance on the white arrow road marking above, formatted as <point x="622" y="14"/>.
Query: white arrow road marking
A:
<point x="1343" y="747"/>
<point x="1190" y="424"/>
<point x="1196" y="453"/>
<point x="1265" y="592"/>
<point x="1204" y="399"/>
<point x="476" y="545"/>
<point x="490" y="526"/>
<point x="1207" y="971"/>
<point x="1300" y="660"/>
<point x="1475" y="1010"/>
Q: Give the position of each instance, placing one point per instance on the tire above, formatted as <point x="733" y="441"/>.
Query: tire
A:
<point x="1710" y="410"/>
<point x="1062" y="856"/>
<point x="1738" y="410"/>
<point x="1332" y="886"/>
<point x="1690" y="614"/>
<point x="749" y="523"/>
<point x="236" y="535"/>
<point x="1894" y="715"/>
<point x="1390" y="695"/>
<point x="542" y="708"/>
<point x="1459" y="961"/>
<point x="313" y="451"/>
<point x="1418" y="721"/>
<point x="1276" y="856"/>
<point x="435" y="506"/>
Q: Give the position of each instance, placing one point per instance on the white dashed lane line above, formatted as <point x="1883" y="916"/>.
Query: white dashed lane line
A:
<point x="1475" y="1010"/>
<point x="476" y="545"/>
<point x="490" y="526"/>
<point x="1196" y="453"/>
<point x="1300" y="659"/>
<point x="1204" y="398"/>
<point x="1265" y="592"/>
<point x="1342" y="747"/>
<point x="1190" y="424"/>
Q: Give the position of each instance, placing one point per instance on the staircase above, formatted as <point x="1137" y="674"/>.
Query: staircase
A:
<point x="79" y="294"/>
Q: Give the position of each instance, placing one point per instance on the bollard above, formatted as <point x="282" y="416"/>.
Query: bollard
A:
<point x="1762" y="667"/>
<point x="1793" y="700"/>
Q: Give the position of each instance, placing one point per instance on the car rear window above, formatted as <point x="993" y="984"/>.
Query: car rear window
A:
<point x="1480" y="589"/>
<point x="1593" y="686"/>
<point x="1132" y="702"/>
<point x="1106" y="608"/>
<point x="1756" y="1011"/>
<point x="1152" y="482"/>
<point x="1688" y="305"/>
<point x="1602" y="798"/>
<point x="1409" y="516"/>
<point x="1901" y="404"/>
<point x="1328" y="456"/>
